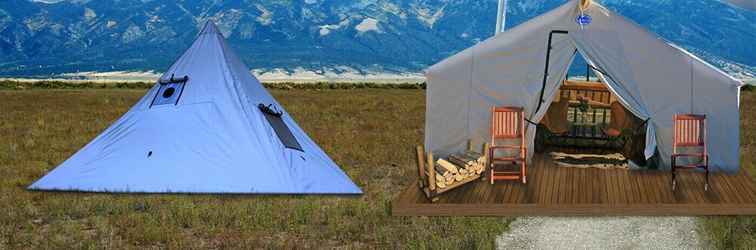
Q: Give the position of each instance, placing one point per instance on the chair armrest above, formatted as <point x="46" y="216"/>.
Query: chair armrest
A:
<point x="522" y="148"/>
<point x="704" y="156"/>
<point x="690" y="155"/>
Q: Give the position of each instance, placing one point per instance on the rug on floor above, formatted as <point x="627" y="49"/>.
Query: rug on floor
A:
<point x="601" y="161"/>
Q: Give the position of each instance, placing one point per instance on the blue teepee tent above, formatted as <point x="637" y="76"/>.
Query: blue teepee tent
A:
<point x="208" y="126"/>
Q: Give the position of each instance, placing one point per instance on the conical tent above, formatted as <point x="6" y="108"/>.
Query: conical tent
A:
<point x="526" y="65"/>
<point x="208" y="126"/>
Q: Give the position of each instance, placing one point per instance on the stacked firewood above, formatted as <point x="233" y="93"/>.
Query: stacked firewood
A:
<point x="458" y="167"/>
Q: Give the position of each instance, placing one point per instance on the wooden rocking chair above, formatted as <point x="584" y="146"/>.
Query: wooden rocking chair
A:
<point x="690" y="132"/>
<point x="508" y="123"/>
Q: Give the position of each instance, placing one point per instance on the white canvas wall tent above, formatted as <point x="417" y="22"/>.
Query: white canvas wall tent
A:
<point x="526" y="65"/>
<point x="207" y="126"/>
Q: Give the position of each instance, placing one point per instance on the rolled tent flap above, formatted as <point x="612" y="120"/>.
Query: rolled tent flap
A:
<point x="651" y="77"/>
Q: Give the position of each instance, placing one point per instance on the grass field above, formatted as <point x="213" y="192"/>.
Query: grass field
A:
<point x="738" y="232"/>
<point x="369" y="132"/>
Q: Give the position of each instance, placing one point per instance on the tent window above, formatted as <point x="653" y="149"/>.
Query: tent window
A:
<point x="282" y="131"/>
<point x="170" y="91"/>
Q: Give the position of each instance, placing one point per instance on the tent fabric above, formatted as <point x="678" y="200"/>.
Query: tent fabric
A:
<point x="214" y="139"/>
<point x="652" y="78"/>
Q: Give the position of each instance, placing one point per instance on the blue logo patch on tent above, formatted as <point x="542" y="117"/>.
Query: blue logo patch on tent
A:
<point x="584" y="19"/>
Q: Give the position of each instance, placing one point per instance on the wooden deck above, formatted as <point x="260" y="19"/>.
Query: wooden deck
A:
<point x="555" y="191"/>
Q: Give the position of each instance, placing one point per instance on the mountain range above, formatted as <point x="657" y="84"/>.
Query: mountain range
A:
<point x="44" y="37"/>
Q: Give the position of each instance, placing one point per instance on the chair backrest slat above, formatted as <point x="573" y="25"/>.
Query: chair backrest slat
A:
<point x="689" y="131"/>
<point x="507" y="122"/>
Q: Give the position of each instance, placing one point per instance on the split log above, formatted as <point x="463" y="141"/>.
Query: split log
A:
<point x="467" y="158"/>
<point x="464" y="160"/>
<point x="450" y="178"/>
<point x="441" y="170"/>
<point x="440" y="178"/>
<point x="448" y="166"/>
<point x="459" y="177"/>
<point x="436" y="177"/>
<point x="463" y="171"/>
<point x="469" y="167"/>
<point x="458" y="159"/>
<point x="457" y="162"/>
<point x="473" y="154"/>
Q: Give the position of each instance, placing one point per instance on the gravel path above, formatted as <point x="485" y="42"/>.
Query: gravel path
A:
<point x="601" y="233"/>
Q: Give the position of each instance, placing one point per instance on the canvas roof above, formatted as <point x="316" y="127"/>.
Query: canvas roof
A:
<point x="653" y="78"/>
<point x="213" y="139"/>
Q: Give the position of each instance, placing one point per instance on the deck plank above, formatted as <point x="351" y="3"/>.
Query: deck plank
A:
<point x="534" y="180"/>
<point x="553" y="190"/>
<point x="548" y="186"/>
<point x="746" y="183"/>
<point x="603" y="197"/>
<point x="487" y="196"/>
<point x="664" y="181"/>
<point x="731" y="189"/>
<point x="640" y="196"/>
<point x="587" y="187"/>
<point x="717" y="184"/>
<point x="626" y="189"/>
<point x="578" y="186"/>
<point x="654" y="187"/>
<point x="611" y="193"/>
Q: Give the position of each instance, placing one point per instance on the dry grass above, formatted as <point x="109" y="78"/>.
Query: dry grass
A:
<point x="738" y="232"/>
<point x="369" y="132"/>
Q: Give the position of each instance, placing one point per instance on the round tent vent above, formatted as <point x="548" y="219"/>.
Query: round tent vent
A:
<point x="169" y="92"/>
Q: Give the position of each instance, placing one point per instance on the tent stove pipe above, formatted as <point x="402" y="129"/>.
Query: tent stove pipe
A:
<point x="501" y="16"/>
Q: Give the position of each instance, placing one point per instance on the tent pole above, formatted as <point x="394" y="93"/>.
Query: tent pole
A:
<point x="546" y="68"/>
<point x="587" y="73"/>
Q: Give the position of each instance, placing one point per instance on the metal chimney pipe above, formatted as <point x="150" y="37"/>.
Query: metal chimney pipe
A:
<point x="501" y="16"/>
